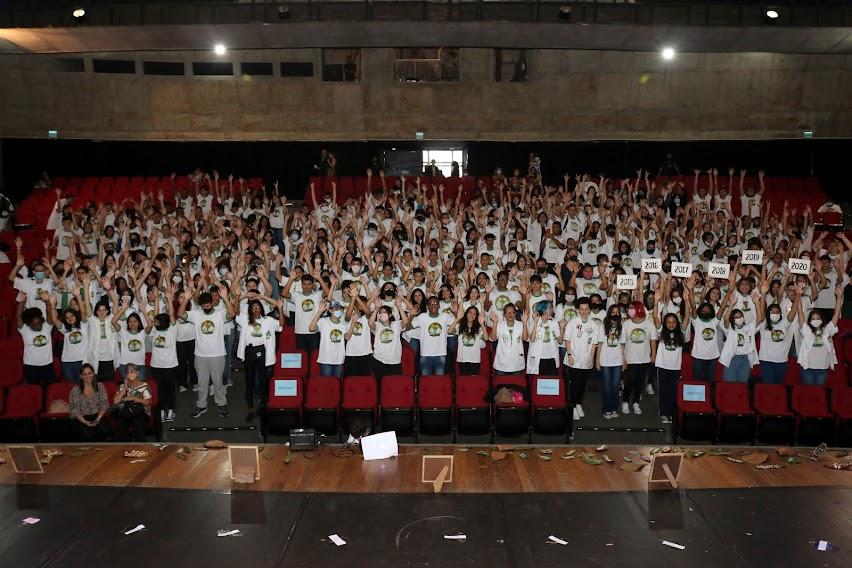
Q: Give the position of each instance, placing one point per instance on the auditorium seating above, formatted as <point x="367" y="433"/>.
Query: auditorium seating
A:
<point x="19" y="421"/>
<point x="814" y="423"/>
<point x="473" y="412"/>
<point x="322" y="404"/>
<point x="696" y="418"/>
<point x="435" y="405"/>
<point x="56" y="426"/>
<point x="841" y="406"/>
<point x="511" y="418"/>
<point x="549" y="405"/>
<point x="359" y="402"/>
<point x="775" y="421"/>
<point x="734" y="413"/>
<point x="397" y="403"/>
<point x="284" y="409"/>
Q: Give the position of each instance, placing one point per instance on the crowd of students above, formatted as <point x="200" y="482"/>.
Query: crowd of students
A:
<point x="531" y="270"/>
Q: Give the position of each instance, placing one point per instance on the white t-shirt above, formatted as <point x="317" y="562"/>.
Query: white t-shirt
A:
<point x="32" y="289"/>
<point x="359" y="343"/>
<point x="669" y="355"/>
<point x="132" y="347"/>
<point x="547" y="339"/>
<point x="38" y="349"/>
<point x="637" y="340"/>
<point x="470" y="348"/>
<point x="611" y="348"/>
<point x="163" y="347"/>
<point x="509" y="357"/>
<point x="581" y="338"/>
<point x="387" y="347"/>
<point x="75" y="345"/>
<point x="817" y="350"/>
<point x="705" y="343"/>
<point x="209" y="332"/>
<point x="433" y="333"/>
<point x="775" y="342"/>
<point x="332" y="350"/>
<point x="306" y="308"/>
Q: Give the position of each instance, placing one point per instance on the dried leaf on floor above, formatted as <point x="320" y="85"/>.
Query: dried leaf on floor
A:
<point x="734" y="460"/>
<point x="769" y="466"/>
<point x="755" y="458"/>
<point x="632" y="466"/>
<point x="591" y="460"/>
<point x="497" y="456"/>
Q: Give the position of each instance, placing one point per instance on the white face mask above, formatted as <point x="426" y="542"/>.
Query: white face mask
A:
<point x="816" y="322"/>
<point x="337" y="314"/>
<point x="569" y="297"/>
<point x="774" y="318"/>
<point x="739" y="322"/>
<point x="177" y="279"/>
<point x="677" y="300"/>
<point x="355" y="269"/>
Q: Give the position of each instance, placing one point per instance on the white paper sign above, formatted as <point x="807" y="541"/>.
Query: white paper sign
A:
<point x="681" y="269"/>
<point x="752" y="257"/>
<point x="719" y="270"/>
<point x="652" y="265"/>
<point x="336" y="540"/>
<point x="379" y="446"/>
<point x="626" y="282"/>
<point x="799" y="265"/>
<point x="286" y="387"/>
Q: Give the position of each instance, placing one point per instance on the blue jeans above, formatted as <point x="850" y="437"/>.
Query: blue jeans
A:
<point x="143" y="372"/>
<point x="772" y="373"/>
<point x="814" y="376"/>
<point x="331" y="370"/>
<point x="278" y="237"/>
<point x="610" y="378"/>
<point x="231" y="342"/>
<point x="738" y="370"/>
<point x="71" y="371"/>
<point x="704" y="369"/>
<point x="435" y="365"/>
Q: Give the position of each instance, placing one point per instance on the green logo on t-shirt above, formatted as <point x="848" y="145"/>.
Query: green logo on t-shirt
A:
<point x="386" y="335"/>
<point x="435" y="329"/>
<point x="336" y="336"/>
<point x="207" y="327"/>
<point x="638" y="336"/>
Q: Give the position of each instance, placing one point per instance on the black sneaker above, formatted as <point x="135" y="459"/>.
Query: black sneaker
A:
<point x="223" y="412"/>
<point x="199" y="411"/>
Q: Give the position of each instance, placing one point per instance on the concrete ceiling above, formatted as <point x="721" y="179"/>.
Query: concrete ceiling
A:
<point x="707" y="39"/>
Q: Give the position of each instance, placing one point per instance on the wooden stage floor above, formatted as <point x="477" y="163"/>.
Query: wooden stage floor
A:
<point x="333" y="470"/>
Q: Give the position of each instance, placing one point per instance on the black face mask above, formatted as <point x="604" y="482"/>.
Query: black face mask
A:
<point x="649" y="250"/>
<point x="596" y="306"/>
<point x="389" y="293"/>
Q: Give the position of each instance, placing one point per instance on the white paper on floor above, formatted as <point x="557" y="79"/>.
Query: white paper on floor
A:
<point x="557" y="540"/>
<point x="674" y="545"/>
<point x="135" y="529"/>
<point x="336" y="540"/>
<point x="455" y="536"/>
<point x="31" y="520"/>
<point x="225" y="532"/>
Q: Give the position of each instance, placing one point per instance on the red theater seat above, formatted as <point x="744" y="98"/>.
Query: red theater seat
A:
<point x="511" y="418"/>
<point x="775" y="422"/>
<point x="284" y="409"/>
<point x="322" y="404"/>
<point x="696" y="419"/>
<point x="814" y="423"/>
<point x="56" y="426"/>
<point x="735" y="415"/>
<point x="360" y="400"/>
<point x="18" y="423"/>
<point x="474" y="412"/>
<point x="397" y="404"/>
<point x="841" y="406"/>
<point x="435" y="404"/>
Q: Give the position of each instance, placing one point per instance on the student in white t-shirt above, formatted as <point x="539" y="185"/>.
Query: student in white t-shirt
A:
<point x="669" y="356"/>
<point x="639" y="335"/>
<point x="817" y="355"/>
<point x="387" y="340"/>
<point x="775" y="339"/>
<point x="739" y="354"/>
<point x="509" y="335"/>
<point x="581" y="336"/>
<point x="307" y="300"/>
<point x="359" y="345"/>
<point x="75" y="333"/>
<point x="544" y="333"/>
<point x="332" y="350"/>
<point x="131" y="341"/>
<point x="163" y="331"/>
<point x="610" y="361"/>
<point x="38" y="348"/>
<point x="470" y="326"/>
<point x="433" y="326"/>
<point x="256" y="348"/>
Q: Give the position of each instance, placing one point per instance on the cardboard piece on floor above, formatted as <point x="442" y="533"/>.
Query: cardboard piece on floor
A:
<point x="438" y="484"/>
<point x="665" y="470"/>
<point x="379" y="446"/>
<point x="25" y="459"/>
<point x="432" y="466"/>
<point x="245" y="463"/>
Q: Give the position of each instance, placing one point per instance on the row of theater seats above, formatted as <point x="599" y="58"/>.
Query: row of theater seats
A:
<point x="805" y="414"/>
<point x="25" y="416"/>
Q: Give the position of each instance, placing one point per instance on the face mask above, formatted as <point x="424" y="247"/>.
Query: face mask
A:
<point x="677" y="300"/>
<point x="542" y="271"/>
<point x="739" y="322"/>
<point x="39" y="275"/>
<point x="355" y="269"/>
<point x="596" y="308"/>
<point x="706" y="316"/>
<point x="816" y="322"/>
<point x="631" y="312"/>
<point x="570" y="297"/>
<point x="774" y="318"/>
<point x="177" y="279"/>
<point x="337" y="314"/>
<point x="384" y="318"/>
<point x="372" y="232"/>
<point x="389" y="293"/>
<point x="649" y="250"/>
<point x="294" y="236"/>
<point x="677" y="201"/>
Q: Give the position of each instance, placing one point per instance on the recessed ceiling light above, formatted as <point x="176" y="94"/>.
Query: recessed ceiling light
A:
<point x="78" y="12"/>
<point x="219" y="49"/>
<point x="772" y="14"/>
<point x="668" y="53"/>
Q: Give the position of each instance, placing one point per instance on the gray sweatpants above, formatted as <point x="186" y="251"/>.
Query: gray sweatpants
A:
<point x="210" y="368"/>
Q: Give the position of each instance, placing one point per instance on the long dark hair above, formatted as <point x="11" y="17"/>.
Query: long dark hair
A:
<point x="768" y="321"/>
<point x="76" y="317"/>
<point x="671" y="336"/>
<point x="251" y="303"/>
<point x="470" y="330"/>
<point x="612" y="324"/>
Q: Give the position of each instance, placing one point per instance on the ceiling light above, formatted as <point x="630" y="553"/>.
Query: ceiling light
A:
<point x="78" y="13"/>
<point x="668" y="53"/>
<point x="771" y="14"/>
<point x="219" y="49"/>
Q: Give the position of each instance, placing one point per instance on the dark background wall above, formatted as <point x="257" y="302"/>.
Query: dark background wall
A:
<point x="290" y="162"/>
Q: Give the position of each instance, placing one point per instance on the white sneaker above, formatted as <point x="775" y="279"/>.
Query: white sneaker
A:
<point x="579" y="408"/>
<point x="614" y="414"/>
<point x="609" y="416"/>
<point x="665" y="420"/>
<point x="162" y="416"/>
<point x="170" y="415"/>
<point x="636" y="409"/>
<point x="182" y="389"/>
<point x="649" y="389"/>
<point x="576" y="414"/>
<point x="625" y="408"/>
<point x="195" y="388"/>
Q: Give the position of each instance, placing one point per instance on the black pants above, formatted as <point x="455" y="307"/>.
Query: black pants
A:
<point x="668" y="390"/>
<point x="358" y="365"/>
<point x="186" y="374"/>
<point x="131" y="429"/>
<point x="166" y="384"/>
<point x="576" y="379"/>
<point x="257" y="374"/>
<point x="89" y="434"/>
<point x="547" y="367"/>
<point x="308" y="342"/>
<point x="634" y="382"/>
<point x="383" y="369"/>
<point x="469" y="368"/>
<point x="41" y="375"/>
<point x="106" y="372"/>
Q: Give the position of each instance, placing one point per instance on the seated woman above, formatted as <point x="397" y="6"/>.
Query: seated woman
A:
<point x="88" y="405"/>
<point x="131" y="407"/>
